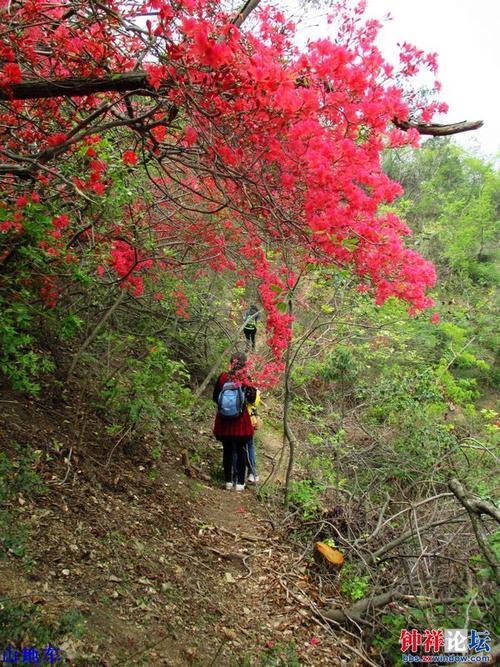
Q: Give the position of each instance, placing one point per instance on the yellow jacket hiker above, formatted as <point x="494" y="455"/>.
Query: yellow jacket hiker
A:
<point x="252" y="478"/>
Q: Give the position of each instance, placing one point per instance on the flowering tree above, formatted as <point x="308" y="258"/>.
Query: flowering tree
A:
<point x="220" y="146"/>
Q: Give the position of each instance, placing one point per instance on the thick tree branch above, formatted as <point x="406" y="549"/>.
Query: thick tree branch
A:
<point x="138" y="81"/>
<point x="36" y="89"/>
<point x="16" y="170"/>
<point x="438" y="130"/>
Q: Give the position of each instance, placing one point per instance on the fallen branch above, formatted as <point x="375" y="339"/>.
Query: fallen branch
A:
<point x="394" y="516"/>
<point x="475" y="507"/>
<point x="120" y="439"/>
<point x="410" y="534"/>
<point x="317" y="612"/>
<point x="230" y="555"/>
<point x="472" y="502"/>
<point x="360" y="608"/>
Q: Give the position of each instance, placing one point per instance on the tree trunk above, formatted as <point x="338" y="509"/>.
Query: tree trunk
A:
<point x="286" y="409"/>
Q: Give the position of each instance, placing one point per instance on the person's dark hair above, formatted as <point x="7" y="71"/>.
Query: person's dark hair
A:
<point x="238" y="361"/>
<point x="253" y="309"/>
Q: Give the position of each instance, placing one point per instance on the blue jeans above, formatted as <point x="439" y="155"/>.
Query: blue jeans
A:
<point x="250" y="458"/>
<point x="234" y="459"/>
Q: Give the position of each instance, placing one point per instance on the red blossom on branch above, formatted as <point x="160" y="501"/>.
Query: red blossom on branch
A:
<point x="129" y="158"/>
<point x="260" y="157"/>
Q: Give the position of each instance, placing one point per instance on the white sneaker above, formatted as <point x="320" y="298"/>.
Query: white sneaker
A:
<point x="253" y="479"/>
<point x="229" y="486"/>
<point x="240" y="487"/>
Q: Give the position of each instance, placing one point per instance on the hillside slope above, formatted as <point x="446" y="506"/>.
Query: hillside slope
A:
<point x="131" y="561"/>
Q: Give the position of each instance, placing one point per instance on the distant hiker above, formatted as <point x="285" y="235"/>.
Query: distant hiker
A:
<point x="233" y="425"/>
<point x="250" y="329"/>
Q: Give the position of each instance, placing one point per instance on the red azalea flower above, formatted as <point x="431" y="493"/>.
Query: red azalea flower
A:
<point x="129" y="157"/>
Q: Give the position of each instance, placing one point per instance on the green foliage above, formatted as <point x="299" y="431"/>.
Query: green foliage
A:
<point x="384" y="402"/>
<point x="320" y="461"/>
<point x="388" y="643"/>
<point x="150" y="389"/>
<point x="403" y="392"/>
<point x="70" y="325"/>
<point x="494" y="543"/>
<point x="459" y="390"/>
<point x="306" y="494"/>
<point x="455" y="614"/>
<point x="341" y="365"/>
<point x="14" y="536"/>
<point x="307" y="410"/>
<point x="18" y="359"/>
<point x="352" y="584"/>
<point x="413" y="400"/>
<point x="454" y="207"/>
<point x="17" y="473"/>
<point x="22" y="624"/>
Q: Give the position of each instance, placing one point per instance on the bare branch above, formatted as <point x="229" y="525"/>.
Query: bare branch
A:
<point x="475" y="508"/>
<point x="410" y="534"/>
<point x="394" y="516"/>
<point x="473" y="503"/>
<point x="360" y="608"/>
<point x="437" y="129"/>
<point x="245" y="12"/>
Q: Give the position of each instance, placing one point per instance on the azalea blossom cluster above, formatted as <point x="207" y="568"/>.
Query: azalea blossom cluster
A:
<point x="260" y="157"/>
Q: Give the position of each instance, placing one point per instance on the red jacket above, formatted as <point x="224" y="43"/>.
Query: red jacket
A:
<point x="241" y="427"/>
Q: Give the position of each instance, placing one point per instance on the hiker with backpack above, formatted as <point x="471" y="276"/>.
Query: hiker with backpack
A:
<point x="250" y="329"/>
<point x="233" y="425"/>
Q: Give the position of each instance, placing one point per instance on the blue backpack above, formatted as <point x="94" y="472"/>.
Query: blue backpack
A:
<point x="231" y="400"/>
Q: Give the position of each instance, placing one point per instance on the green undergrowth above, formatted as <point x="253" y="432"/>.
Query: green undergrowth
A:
<point x="23" y="625"/>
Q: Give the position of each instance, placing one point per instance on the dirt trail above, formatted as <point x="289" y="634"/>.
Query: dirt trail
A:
<point x="165" y="569"/>
<point x="261" y="582"/>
